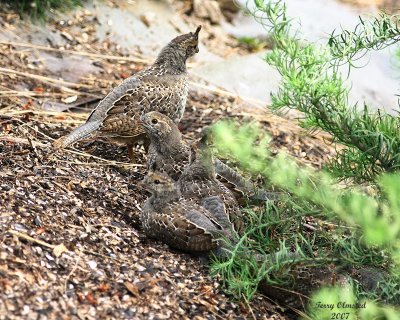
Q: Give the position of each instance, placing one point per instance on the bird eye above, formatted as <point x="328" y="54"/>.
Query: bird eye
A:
<point x="156" y="181"/>
<point x="154" y="121"/>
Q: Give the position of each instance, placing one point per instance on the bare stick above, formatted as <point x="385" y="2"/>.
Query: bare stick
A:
<point x="10" y="113"/>
<point x="43" y="78"/>
<point x="30" y="239"/>
<point x="79" y="53"/>
<point x="21" y="141"/>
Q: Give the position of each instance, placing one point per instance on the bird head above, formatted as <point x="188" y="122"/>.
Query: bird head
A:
<point x="158" y="183"/>
<point x="202" y="149"/>
<point x="157" y="124"/>
<point x="187" y="43"/>
<point x="201" y="162"/>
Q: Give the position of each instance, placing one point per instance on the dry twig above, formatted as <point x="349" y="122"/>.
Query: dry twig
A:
<point x="79" y="53"/>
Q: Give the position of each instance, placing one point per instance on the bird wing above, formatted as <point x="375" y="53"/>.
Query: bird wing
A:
<point x="188" y="226"/>
<point x="119" y="94"/>
<point x="215" y="205"/>
<point x="121" y="108"/>
<point x="199" y="190"/>
<point x="166" y="94"/>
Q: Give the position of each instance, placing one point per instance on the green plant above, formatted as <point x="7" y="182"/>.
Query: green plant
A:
<point x="253" y="44"/>
<point x="312" y="84"/>
<point x="366" y="232"/>
<point x="38" y="9"/>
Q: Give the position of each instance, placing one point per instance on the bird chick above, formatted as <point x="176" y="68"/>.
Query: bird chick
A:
<point x="179" y="222"/>
<point x="198" y="181"/>
<point x="167" y="151"/>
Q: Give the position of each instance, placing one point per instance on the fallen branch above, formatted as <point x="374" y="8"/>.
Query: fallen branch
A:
<point x="79" y="53"/>
<point x="29" y="238"/>
<point x="16" y="93"/>
<point x="84" y="154"/>
<point x="9" y="113"/>
<point x="46" y="79"/>
<point x="21" y="141"/>
<point x="58" y="250"/>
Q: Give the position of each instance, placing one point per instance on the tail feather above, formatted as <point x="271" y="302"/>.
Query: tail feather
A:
<point x="232" y="176"/>
<point x="79" y="133"/>
<point x="241" y="183"/>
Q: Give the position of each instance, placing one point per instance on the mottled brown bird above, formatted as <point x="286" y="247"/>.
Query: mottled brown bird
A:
<point x="169" y="153"/>
<point x="198" y="181"/>
<point x="162" y="87"/>
<point x="179" y="222"/>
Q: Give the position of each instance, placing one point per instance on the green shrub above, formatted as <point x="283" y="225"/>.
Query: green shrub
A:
<point x="312" y="84"/>
<point x="38" y="9"/>
<point x="364" y="229"/>
<point x="253" y="44"/>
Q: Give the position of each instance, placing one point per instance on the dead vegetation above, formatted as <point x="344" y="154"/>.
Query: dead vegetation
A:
<point x="70" y="241"/>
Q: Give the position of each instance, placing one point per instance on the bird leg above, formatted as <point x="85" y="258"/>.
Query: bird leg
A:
<point x="131" y="152"/>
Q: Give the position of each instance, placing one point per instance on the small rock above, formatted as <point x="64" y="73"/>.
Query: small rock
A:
<point x="92" y="264"/>
<point x="5" y="187"/>
<point x="208" y="9"/>
<point x="37" y="221"/>
<point x="20" y="227"/>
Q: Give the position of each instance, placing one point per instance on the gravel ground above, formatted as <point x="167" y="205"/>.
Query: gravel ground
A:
<point x="70" y="240"/>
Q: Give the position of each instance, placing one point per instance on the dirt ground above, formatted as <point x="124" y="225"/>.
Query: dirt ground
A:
<point x="386" y="5"/>
<point x="70" y="239"/>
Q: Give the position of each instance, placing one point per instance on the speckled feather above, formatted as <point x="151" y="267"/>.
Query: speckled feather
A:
<point x="169" y="153"/>
<point x="198" y="182"/>
<point x="182" y="225"/>
<point x="163" y="87"/>
<point x="179" y="222"/>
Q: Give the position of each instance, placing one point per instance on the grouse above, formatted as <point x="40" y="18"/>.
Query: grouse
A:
<point x="198" y="181"/>
<point x="180" y="222"/>
<point x="169" y="153"/>
<point x="163" y="87"/>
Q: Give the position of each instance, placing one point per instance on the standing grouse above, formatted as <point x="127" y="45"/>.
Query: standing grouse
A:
<point x="162" y="87"/>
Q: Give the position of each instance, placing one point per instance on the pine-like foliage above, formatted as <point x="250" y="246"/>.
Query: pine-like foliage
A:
<point x="357" y="230"/>
<point x="312" y="84"/>
<point x="352" y="228"/>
